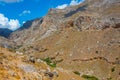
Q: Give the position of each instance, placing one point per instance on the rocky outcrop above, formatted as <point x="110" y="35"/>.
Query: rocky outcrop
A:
<point x="88" y="22"/>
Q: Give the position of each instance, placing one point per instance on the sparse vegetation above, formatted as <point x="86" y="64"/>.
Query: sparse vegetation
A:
<point x="77" y="72"/>
<point x="19" y="46"/>
<point x="113" y="69"/>
<point x="89" y="77"/>
<point x="109" y="78"/>
<point x="117" y="58"/>
<point x="12" y="49"/>
<point x="49" y="62"/>
<point x="96" y="52"/>
<point x="23" y="50"/>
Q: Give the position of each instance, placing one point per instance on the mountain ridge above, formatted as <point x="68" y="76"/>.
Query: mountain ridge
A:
<point x="5" y="32"/>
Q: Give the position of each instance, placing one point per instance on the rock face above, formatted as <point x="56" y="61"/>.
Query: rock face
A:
<point x="5" y="32"/>
<point x="78" y="41"/>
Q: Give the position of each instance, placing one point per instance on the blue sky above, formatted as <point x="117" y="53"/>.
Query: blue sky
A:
<point x="14" y="12"/>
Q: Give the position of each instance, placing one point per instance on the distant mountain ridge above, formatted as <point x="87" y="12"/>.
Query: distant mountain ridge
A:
<point x="28" y="24"/>
<point x="5" y="32"/>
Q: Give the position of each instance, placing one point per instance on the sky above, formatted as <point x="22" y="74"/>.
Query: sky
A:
<point x="13" y="13"/>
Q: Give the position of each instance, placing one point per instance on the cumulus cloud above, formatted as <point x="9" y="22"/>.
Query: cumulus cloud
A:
<point x="10" y="1"/>
<point x="14" y="24"/>
<point x="25" y="12"/>
<point x="62" y="6"/>
<point x="72" y="3"/>
<point x="8" y="23"/>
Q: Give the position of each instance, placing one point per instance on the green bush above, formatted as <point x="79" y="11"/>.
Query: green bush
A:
<point x="89" y="77"/>
<point x="49" y="62"/>
<point x="52" y="65"/>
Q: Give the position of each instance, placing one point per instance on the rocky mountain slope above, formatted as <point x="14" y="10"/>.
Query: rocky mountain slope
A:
<point x="18" y="67"/>
<point x="87" y="15"/>
<point x="6" y="43"/>
<point x="76" y="43"/>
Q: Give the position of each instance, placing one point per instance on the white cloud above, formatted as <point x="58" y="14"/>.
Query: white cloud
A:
<point x="24" y="22"/>
<point x="62" y="6"/>
<point x="76" y="2"/>
<point x="8" y="23"/>
<point x="25" y="12"/>
<point x="72" y="3"/>
<point x="14" y="24"/>
<point x="10" y="1"/>
<point x="3" y="20"/>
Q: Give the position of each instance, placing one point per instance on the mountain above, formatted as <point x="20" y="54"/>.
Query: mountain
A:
<point x="76" y="43"/>
<point x="87" y="15"/>
<point x="5" y="32"/>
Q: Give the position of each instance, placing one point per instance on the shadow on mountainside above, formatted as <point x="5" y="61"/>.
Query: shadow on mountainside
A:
<point x="5" y="32"/>
<point x="83" y="8"/>
<point x="29" y="23"/>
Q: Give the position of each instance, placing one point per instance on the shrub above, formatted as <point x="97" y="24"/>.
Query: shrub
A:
<point x="113" y="69"/>
<point x="49" y="62"/>
<point x="89" y="77"/>
<point x="76" y="72"/>
<point x="96" y="52"/>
